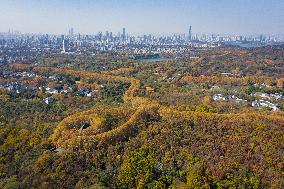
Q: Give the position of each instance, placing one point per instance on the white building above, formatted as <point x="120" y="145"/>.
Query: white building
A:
<point x="263" y="103"/>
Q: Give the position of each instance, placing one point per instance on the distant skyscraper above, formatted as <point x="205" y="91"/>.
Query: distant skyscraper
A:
<point x="63" y="46"/>
<point x="189" y="34"/>
<point x="107" y="33"/>
<point x="123" y="34"/>
<point x="71" y="32"/>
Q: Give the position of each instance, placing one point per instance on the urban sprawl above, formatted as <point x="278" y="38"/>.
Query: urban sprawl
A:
<point x="18" y="47"/>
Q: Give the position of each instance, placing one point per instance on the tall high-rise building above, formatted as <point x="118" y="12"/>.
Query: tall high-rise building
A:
<point x="123" y="34"/>
<point x="189" y="34"/>
<point x="107" y="35"/>
<point x="71" y="32"/>
<point x="63" y="46"/>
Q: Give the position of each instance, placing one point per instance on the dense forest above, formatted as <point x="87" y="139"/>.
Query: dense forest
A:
<point x="119" y="123"/>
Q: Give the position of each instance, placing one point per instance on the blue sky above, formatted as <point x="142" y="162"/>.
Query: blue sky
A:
<point x="144" y="16"/>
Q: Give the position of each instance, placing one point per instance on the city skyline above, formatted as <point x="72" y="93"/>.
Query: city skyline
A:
<point x="240" y="17"/>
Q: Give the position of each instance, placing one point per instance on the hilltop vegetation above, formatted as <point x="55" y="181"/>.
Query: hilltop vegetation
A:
<point x="144" y="125"/>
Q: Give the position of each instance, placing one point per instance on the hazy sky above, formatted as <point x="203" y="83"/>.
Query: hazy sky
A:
<point x="144" y="16"/>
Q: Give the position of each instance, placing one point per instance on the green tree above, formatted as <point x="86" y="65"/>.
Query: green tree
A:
<point x="138" y="169"/>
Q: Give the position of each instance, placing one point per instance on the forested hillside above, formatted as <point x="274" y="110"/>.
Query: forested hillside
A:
<point x="211" y="122"/>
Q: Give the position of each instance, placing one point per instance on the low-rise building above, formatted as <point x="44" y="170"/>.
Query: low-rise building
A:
<point x="218" y="97"/>
<point x="263" y="103"/>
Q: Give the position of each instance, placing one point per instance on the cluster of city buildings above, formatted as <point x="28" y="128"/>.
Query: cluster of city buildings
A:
<point x="15" y="46"/>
